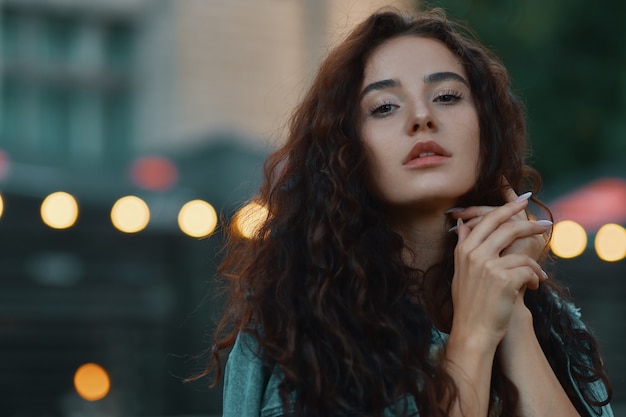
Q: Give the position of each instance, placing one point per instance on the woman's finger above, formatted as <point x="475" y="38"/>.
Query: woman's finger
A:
<point x="509" y="193"/>
<point x="471" y="212"/>
<point x="507" y="233"/>
<point x="492" y="220"/>
<point x="533" y="246"/>
<point x="471" y="223"/>
<point x="520" y="278"/>
<point x="467" y="213"/>
<point x="513" y="261"/>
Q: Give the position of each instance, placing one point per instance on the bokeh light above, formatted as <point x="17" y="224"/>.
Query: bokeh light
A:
<point x="92" y="382"/>
<point x="59" y="210"/>
<point x="197" y="218"/>
<point x="569" y="239"/>
<point x="130" y="214"/>
<point x="249" y="219"/>
<point x="610" y="243"/>
<point x="1" y="206"/>
<point x="154" y="173"/>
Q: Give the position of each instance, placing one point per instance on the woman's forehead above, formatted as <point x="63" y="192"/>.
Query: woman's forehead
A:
<point x="411" y="55"/>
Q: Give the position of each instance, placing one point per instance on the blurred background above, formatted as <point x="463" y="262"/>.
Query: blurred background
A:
<point x="131" y="129"/>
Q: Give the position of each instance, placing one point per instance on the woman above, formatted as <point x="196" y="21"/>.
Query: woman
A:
<point x="397" y="272"/>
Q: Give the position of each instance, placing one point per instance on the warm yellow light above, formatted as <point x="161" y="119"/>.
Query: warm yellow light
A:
<point x="569" y="239"/>
<point x="92" y="382"/>
<point x="610" y="242"/>
<point x="1" y="205"/>
<point x="130" y="214"/>
<point x="249" y="219"/>
<point x="59" y="210"/>
<point x="197" y="218"/>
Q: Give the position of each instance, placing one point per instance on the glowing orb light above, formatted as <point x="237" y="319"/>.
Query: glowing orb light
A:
<point x="59" y="210"/>
<point x="92" y="382"/>
<point x="569" y="239"/>
<point x="610" y="243"/>
<point x="130" y="214"/>
<point x="249" y="219"/>
<point x="197" y="218"/>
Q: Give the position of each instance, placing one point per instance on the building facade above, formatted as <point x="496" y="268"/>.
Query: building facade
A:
<point x="85" y="89"/>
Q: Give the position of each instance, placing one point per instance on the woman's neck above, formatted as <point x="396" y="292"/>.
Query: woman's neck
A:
<point x="425" y="235"/>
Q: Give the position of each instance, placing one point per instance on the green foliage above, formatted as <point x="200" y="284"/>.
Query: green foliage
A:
<point x="567" y="61"/>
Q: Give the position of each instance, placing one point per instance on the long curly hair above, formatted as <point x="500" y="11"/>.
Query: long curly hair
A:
<point x="322" y="285"/>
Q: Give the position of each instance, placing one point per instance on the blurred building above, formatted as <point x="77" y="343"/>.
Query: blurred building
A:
<point x="86" y="82"/>
<point x="87" y="88"/>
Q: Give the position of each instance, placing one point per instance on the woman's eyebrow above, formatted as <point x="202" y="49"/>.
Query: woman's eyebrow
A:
<point x="444" y="76"/>
<point x="380" y="85"/>
<point x="428" y="79"/>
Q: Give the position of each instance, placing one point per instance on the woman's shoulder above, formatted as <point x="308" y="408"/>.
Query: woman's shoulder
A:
<point x="250" y="388"/>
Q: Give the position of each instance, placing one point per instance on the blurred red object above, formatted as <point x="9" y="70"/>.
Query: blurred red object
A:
<point x="4" y="165"/>
<point x="594" y="205"/>
<point x="154" y="173"/>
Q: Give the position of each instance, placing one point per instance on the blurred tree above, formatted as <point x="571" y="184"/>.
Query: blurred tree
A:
<point x="567" y="62"/>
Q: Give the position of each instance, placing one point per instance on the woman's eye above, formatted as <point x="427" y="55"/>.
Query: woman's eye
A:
<point x="448" y="97"/>
<point x="383" y="109"/>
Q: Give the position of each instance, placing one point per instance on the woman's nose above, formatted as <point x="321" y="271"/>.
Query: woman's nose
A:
<point x="422" y="119"/>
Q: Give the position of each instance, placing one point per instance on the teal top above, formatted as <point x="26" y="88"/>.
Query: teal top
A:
<point x="251" y="390"/>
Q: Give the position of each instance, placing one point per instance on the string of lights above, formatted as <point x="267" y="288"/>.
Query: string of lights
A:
<point x="131" y="214"/>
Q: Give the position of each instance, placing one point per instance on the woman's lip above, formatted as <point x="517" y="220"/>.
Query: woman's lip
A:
<point x="425" y="149"/>
<point x="426" y="161"/>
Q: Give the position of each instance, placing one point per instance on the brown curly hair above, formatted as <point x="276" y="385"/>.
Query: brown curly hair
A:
<point x="322" y="286"/>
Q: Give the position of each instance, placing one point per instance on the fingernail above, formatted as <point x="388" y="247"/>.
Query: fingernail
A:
<point x="523" y="197"/>
<point x="459" y="222"/>
<point x="545" y="274"/>
<point x="454" y="210"/>
<point x="545" y="223"/>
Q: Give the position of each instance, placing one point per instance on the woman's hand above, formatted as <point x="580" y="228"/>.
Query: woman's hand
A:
<point x="534" y="246"/>
<point x="490" y="275"/>
<point x="520" y="354"/>
<point x="485" y="287"/>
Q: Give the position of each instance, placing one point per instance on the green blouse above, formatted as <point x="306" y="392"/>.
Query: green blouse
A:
<point x="251" y="390"/>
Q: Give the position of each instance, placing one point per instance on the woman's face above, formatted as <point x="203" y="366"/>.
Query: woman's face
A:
<point x="419" y="125"/>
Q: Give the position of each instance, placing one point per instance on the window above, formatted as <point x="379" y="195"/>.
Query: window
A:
<point x="66" y="85"/>
<point x="119" y="46"/>
<point x="59" y="40"/>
